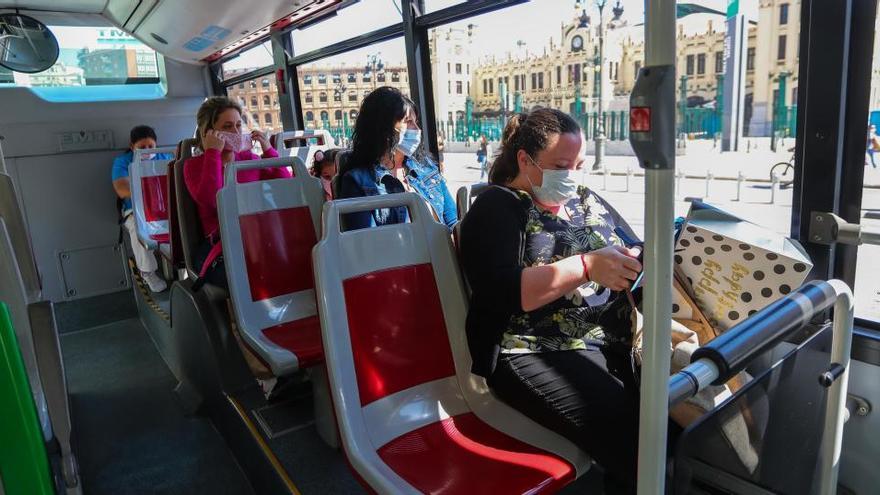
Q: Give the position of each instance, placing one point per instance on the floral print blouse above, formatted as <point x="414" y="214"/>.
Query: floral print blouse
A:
<point x="579" y="316"/>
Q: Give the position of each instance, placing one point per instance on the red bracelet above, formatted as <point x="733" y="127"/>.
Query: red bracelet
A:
<point x="586" y="270"/>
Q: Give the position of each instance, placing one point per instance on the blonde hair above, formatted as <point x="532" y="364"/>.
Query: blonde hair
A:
<point x="209" y="111"/>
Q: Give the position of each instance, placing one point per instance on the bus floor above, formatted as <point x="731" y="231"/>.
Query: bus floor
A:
<point x="131" y="436"/>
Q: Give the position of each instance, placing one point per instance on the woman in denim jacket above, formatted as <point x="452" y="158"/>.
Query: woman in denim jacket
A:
<point x="388" y="157"/>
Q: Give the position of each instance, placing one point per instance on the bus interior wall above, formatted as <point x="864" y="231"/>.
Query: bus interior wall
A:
<point x="67" y="197"/>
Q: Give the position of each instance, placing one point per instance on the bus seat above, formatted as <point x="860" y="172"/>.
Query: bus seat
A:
<point x="302" y="144"/>
<point x="269" y="229"/>
<point x="37" y="335"/>
<point x="21" y="239"/>
<point x="14" y="294"/>
<point x="464" y="197"/>
<point x="342" y="161"/>
<point x="412" y="417"/>
<point x="189" y="226"/>
<point x="149" y="197"/>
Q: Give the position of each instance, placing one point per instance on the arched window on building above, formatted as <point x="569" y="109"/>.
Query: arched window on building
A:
<point x="254" y="101"/>
<point x="309" y="98"/>
<point x="266" y="100"/>
<point x="324" y="116"/>
<point x="337" y="115"/>
<point x="353" y="115"/>
<point x="310" y="116"/>
<point x="267" y="118"/>
<point x="265" y="82"/>
<point x="322" y="97"/>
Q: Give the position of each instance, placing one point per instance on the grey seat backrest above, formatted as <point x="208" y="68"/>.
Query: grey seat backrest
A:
<point x="12" y="292"/>
<point x="187" y="213"/>
<point x="342" y="166"/>
<point x="21" y="239"/>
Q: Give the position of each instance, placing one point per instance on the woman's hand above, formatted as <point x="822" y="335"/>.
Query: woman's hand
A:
<point x="213" y="141"/>
<point x="258" y="136"/>
<point x="613" y="267"/>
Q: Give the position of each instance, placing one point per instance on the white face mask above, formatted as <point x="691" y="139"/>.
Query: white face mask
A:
<point x="409" y="141"/>
<point x="557" y="186"/>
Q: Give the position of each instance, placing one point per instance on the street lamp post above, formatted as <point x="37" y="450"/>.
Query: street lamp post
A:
<point x="339" y="95"/>
<point x="600" y="67"/>
<point x="374" y="67"/>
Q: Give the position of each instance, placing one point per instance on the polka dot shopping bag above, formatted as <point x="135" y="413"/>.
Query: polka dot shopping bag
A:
<point x="734" y="268"/>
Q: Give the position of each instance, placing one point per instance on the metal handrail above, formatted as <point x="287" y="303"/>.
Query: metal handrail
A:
<point x="728" y="354"/>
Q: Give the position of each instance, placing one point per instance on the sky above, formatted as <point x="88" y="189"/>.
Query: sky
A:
<point x="495" y="33"/>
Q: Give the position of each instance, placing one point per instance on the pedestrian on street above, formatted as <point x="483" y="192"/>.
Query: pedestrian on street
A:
<point x="873" y="145"/>
<point x="483" y="151"/>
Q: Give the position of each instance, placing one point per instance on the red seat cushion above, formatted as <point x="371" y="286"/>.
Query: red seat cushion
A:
<point x="278" y="251"/>
<point x="301" y="337"/>
<point x="154" y="192"/>
<point x="397" y="330"/>
<point x="161" y="238"/>
<point x="462" y="454"/>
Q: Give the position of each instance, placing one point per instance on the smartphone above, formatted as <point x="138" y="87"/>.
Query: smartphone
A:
<point x="629" y="241"/>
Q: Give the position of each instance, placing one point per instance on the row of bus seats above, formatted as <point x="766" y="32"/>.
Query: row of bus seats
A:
<point x="404" y="356"/>
<point x="154" y="191"/>
<point x="386" y="336"/>
<point x="33" y="321"/>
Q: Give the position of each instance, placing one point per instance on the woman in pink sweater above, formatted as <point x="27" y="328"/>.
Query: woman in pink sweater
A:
<point x="221" y="139"/>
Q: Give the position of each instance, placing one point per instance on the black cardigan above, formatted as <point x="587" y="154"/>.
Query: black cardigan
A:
<point x="492" y="244"/>
<point x="492" y="247"/>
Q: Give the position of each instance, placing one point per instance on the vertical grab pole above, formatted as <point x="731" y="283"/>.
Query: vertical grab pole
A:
<point x="841" y="345"/>
<point x="658" y="159"/>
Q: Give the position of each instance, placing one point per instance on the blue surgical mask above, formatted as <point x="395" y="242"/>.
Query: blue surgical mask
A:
<point x="409" y="141"/>
<point x="557" y="186"/>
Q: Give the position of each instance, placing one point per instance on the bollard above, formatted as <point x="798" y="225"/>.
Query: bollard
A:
<point x="774" y="184"/>
<point x="740" y="177"/>
<point x="679" y="173"/>
<point x="605" y="173"/>
<point x="629" y="174"/>
<point x="709" y="178"/>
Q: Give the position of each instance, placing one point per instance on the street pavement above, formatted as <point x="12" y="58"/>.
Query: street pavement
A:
<point x="757" y="202"/>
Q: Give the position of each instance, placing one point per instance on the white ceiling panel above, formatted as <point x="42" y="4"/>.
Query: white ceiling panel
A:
<point x="81" y="6"/>
<point x="190" y="31"/>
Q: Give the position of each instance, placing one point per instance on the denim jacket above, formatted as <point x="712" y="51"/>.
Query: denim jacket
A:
<point x="424" y="178"/>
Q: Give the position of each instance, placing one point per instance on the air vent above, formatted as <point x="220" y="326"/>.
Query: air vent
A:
<point x="159" y="38"/>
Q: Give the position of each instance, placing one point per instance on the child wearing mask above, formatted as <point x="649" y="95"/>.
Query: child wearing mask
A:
<point x="141" y="137"/>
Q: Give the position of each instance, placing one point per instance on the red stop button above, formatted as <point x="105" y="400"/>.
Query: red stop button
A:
<point x="640" y="119"/>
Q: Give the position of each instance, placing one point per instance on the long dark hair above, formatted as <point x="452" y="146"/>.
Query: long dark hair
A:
<point x="374" y="135"/>
<point x="529" y="132"/>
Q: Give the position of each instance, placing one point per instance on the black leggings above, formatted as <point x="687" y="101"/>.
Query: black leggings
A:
<point x="588" y="396"/>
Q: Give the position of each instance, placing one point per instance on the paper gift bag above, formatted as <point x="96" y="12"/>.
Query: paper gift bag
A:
<point x="733" y="267"/>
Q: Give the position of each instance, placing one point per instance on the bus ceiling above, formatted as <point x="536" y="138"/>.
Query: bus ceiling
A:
<point x="195" y="31"/>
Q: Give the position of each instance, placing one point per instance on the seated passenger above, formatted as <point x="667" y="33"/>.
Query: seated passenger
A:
<point x="324" y="166"/>
<point x="387" y="157"/>
<point x="220" y="137"/>
<point x="545" y="325"/>
<point x="141" y="137"/>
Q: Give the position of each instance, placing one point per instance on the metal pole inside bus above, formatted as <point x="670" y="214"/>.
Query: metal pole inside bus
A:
<point x="653" y="138"/>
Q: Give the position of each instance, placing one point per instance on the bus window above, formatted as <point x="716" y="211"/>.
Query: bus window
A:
<point x="435" y="5"/>
<point x="106" y="60"/>
<point x="867" y="286"/>
<point x="258" y="99"/>
<point x="482" y="74"/>
<point x="326" y="104"/>
<point x="356" y="19"/>
<point x="254" y="58"/>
